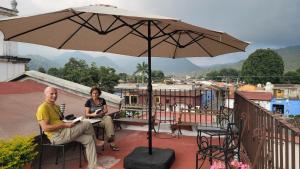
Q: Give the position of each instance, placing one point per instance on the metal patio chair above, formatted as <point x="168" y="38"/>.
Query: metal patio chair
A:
<point x="229" y="150"/>
<point x="45" y="142"/>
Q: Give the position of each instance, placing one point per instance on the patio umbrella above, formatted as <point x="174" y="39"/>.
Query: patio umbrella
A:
<point x="109" y="29"/>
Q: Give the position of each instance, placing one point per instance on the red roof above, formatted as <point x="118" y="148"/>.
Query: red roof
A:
<point x="19" y="87"/>
<point x="19" y="102"/>
<point x="265" y="96"/>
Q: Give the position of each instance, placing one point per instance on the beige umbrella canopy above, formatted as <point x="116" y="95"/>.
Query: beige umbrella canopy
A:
<point x="109" y="29"/>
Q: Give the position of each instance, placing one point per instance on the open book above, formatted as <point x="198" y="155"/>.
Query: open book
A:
<point x="78" y="119"/>
<point x="98" y="110"/>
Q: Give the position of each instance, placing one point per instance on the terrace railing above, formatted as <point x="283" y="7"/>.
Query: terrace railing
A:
<point x="269" y="140"/>
<point x="200" y="106"/>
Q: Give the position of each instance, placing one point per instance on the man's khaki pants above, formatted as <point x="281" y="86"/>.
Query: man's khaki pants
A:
<point x="82" y="132"/>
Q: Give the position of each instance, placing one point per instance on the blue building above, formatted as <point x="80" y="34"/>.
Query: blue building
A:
<point x="285" y="106"/>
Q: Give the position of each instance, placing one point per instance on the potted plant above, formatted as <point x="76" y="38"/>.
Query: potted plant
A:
<point x="17" y="152"/>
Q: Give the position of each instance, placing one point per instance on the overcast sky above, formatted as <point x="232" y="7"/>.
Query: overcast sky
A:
<point x="264" y="23"/>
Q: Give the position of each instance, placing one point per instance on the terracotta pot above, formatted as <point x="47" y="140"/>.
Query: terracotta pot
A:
<point x="27" y="166"/>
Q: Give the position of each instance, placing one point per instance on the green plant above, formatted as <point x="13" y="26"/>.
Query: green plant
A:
<point x="17" y="151"/>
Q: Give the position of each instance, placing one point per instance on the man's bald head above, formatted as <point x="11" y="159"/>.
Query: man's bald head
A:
<point x="50" y="94"/>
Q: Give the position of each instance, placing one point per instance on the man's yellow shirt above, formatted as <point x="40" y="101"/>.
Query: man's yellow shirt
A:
<point x="49" y="113"/>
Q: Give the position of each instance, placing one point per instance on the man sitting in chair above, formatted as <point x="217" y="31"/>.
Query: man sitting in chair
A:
<point x="59" y="132"/>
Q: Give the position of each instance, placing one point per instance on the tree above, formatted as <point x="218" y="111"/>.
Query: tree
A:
<point x="158" y="76"/>
<point x="123" y="76"/>
<point x="77" y="71"/>
<point x="142" y="70"/>
<point x="264" y="65"/>
<point x="226" y="74"/>
<point x="213" y="75"/>
<point x="107" y="79"/>
<point x="55" y="72"/>
<point x="291" y="77"/>
<point x="26" y="67"/>
<point x="41" y="69"/>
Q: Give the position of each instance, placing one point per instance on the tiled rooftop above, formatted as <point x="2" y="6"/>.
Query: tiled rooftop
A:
<point x="185" y="148"/>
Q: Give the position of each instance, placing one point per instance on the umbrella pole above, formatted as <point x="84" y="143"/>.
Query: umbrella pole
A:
<point x="149" y="91"/>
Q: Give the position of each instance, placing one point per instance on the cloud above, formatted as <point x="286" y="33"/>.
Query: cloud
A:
<point x="264" y="23"/>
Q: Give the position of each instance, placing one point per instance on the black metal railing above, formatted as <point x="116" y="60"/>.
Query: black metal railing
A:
<point x="269" y="140"/>
<point x="200" y="106"/>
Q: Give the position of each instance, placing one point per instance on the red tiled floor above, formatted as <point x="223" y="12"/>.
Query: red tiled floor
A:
<point x="185" y="148"/>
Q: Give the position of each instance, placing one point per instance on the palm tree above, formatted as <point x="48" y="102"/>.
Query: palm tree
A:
<point x="142" y="69"/>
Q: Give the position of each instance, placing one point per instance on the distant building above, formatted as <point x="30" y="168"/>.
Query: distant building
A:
<point x="11" y="67"/>
<point x="286" y="99"/>
<point x="263" y="99"/>
<point x="286" y="91"/>
<point x="8" y="48"/>
<point x="10" y="64"/>
<point x="286" y="107"/>
<point x="174" y="97"/>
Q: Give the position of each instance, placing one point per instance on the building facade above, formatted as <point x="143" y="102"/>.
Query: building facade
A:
<point x="8" y="48"/>
<point x="10" y="65"/>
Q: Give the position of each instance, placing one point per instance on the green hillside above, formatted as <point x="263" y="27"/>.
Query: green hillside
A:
<point x="38" y="61"/>
<point x="290" y="56"/>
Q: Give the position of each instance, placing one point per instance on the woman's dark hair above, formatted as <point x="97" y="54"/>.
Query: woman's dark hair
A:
<point x="95" y="88"/>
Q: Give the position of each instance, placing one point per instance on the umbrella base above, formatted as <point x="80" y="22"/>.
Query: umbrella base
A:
<point x="139" y="158"/>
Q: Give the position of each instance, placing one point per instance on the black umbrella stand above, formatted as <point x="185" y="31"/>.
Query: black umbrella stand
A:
<point x="143" y="157"/>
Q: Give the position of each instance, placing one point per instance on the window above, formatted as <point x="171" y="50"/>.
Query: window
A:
<point x="126" y="99"/>
<point x="157" y="99"/>
<point x="133" y="100"/>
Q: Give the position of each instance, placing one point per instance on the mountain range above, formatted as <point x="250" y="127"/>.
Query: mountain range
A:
<point x="119" y="63"/>
<point x="169" y="66"/>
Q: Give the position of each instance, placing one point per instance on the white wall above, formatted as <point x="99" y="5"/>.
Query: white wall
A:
<point x="264" y="104"/>
<point x="1" y="43"/>
<point x="9" y="70"/>
<point x="7" y="48"/>
<point x="229" y="103"/>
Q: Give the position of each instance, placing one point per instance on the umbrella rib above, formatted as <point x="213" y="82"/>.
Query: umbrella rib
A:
<point x="130" y="26"/>
<point x="98" y="17"/>
<point x="176" y="47"/>
<point x="156" y="35"/>
<point x="200" y="44"/>
<point x="54" y="22"/>
<point x="168" y="34"/>
<point x="88" y="27"/>
<point x="68" y="39"/>
<point x="200" y="36"/>
<point x="112" y="25"/>
<point x="125" y="24"/>
<point x="164" y="40"/>
<point x="138" y="35"/>
<point x="225" y="44"/>
<point x="92" y="27"/>
<point x="121" y="39"/>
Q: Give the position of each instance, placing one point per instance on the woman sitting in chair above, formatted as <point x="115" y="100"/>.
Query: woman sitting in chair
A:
<point x="96" y="107"/>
